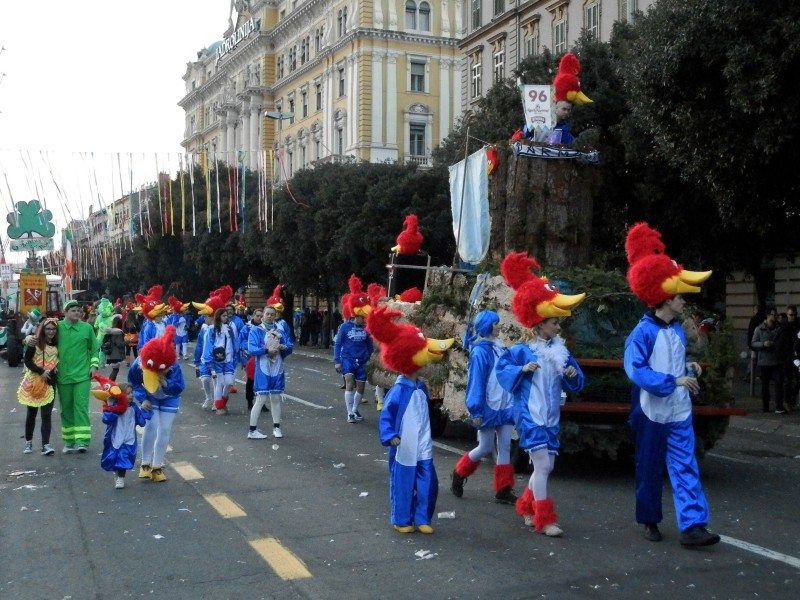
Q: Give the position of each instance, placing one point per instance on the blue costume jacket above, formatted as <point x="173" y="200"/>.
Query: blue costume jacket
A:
<point x="180" y="322"/>
<point x="269" y="374"/>
<point x="119" y="440"/>
<point x="537" y="395"/>
<point x="353" y="343"/>
<point x="164" y="399"/>
<point x="485" y="398"/>
<point x="413" y="485"/>
<point x="150" y="330"/>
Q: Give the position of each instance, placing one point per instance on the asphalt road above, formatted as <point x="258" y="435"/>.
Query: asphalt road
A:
<point x="307" y="516"/>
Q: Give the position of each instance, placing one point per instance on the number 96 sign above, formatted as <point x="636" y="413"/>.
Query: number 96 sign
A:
<point x="536" y="100"/>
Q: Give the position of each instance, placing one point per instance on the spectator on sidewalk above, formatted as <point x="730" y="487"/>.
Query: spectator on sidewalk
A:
<point x="766" y="340"/>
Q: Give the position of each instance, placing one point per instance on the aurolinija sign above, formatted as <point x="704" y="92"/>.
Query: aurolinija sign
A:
<point x="242" y="32"/>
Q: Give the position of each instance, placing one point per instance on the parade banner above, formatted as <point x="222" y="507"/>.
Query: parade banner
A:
<point x="32" y="292"/>
<point x="553" y="152"/>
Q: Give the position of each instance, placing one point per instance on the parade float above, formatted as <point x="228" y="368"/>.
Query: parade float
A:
<point x="535" y="193"/>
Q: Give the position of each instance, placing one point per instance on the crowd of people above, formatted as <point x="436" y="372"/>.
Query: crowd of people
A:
<point x="521" y="387"/>
<point x="774" y="340"/>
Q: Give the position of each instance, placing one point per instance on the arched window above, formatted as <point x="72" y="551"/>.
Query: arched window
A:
<point x="411" y="14"/>
<point x="424" y="16"/>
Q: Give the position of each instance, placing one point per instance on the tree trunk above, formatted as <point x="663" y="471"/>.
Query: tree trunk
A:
<point x="544" y="207"/>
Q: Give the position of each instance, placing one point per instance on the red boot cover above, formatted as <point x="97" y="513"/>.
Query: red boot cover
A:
<point x="219" y="403"/>
<point x="524" y="504"/>
<point x="466" y="467"/>
<point x="503" y="477"/>
<point x="543" y="514"/>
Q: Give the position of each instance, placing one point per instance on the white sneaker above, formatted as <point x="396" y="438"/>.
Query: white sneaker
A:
<point x="552" y="530"/>
<point x="208" y="404"/>
<point x="28" y="447"/>
<point x="119" y="483"/>
<point x="68" y="450"/>
<point x="276" y="431"/>
<point x="528" y="520"/>
<point x="358" y="416"/>
<point x="351" y="418"/>
<point x="256" y="435"/>
<point x="47" y="450"/>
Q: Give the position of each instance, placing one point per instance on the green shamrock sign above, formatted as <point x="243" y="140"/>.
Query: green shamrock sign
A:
<point x="30" y="221"/>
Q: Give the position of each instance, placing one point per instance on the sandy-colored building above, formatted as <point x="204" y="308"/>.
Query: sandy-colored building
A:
<point x="372" y="81"/>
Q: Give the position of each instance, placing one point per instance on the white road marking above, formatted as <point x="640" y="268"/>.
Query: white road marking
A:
<point x="306" y="402"/>
<point x="765" y="552"/>
<point x="448" y="448"/>
<point x="730" y="458"/>
<point x="315" y="371"/>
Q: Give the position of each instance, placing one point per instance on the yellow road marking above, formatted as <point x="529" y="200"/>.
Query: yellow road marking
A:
<point x="226" y="507"/>
<point x="187" y="470"/>
<point x="285" y="564"/>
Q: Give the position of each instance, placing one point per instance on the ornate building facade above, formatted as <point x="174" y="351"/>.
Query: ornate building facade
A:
<point x="499" y="34"/>
<point x="373" y="81"/>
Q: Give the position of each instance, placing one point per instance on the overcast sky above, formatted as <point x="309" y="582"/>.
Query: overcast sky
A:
<point x="87" y="79"/>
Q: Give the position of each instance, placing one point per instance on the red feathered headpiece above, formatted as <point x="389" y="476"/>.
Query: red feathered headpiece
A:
<point x="653" y="276"/>
<point x="358" y="300"/>
<point x="151" y="304"/>
<point x="110" y="389"/>
<point x="567" y="86"/>
<point x="410" y="295"/>
<point x="536" y="299"/>
<point x="176" y="305"/>
<point x="375" y="293"/>
<point x="241" y="303"/>
<point x="410" y="239"/>
<point x="275" y="301"/>
<point x="217" y="299"/>
<point x="156" y="356"/>
<point x="404" y="348"/>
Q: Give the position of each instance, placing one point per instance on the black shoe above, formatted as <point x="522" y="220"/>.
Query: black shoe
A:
<point x="698" y="536"/>
<point x="457" y="487"/>
<point x="651" y="532"/>
<point x="505" y="496"/>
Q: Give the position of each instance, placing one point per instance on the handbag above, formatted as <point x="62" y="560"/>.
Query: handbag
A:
<point x="34" y="386"/>
<point x="219" y="354"/>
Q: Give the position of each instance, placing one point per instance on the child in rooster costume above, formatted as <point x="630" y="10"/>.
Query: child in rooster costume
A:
<point x="268" y="346"/>
<point x="179" y="321"/>
<point x="220" y="347"/>
<point x="276" y="302"/>
<point x="157" y="382"/>
<point x="353" y="348"/>
<point x="409" y="241"/>
<point x="154" y="312"/>
<point x="489" y="406"/>
<point x="121" y="416"/>
<point x="567" y="94"/>
<point x="661" y="406"/>
<point x="535" y="373"/>
<point x="405" y="423"/>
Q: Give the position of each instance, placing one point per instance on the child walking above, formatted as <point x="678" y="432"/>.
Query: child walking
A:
<point x="37" y="389"/>
<point x="535" y="373"/>
<point x="268" y="345"/>
<point x="121" y="415"/>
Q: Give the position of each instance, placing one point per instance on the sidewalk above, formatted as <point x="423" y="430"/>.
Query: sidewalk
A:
<point x="757" y="420"/>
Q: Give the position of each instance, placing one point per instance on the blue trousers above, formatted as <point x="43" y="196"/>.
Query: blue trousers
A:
<point x="412" y="492"/>
<point x="670" y="445"/>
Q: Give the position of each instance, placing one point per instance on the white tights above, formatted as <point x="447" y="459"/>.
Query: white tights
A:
<point x="155" y="438"/>
<point x="543" y="463"/>
<point x="208" y="387"/>
<point x="275" y="408"/>
<point x="221" y="385"/>
<point x="486" y="444"/>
